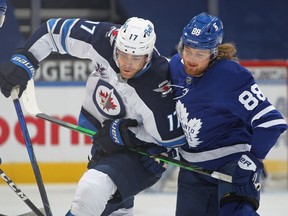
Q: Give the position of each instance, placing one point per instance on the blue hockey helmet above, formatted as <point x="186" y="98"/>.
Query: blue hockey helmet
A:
<point x="203" y="32"/>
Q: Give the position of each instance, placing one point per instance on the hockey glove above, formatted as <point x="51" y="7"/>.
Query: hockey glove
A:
<point x="17" y="71"/>
<point x="246" y="176"/>
<point x="154" y="165"/>
<point x="114" y="135"/>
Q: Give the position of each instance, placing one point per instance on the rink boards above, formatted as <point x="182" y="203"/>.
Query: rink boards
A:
<point x="62" y="154"/>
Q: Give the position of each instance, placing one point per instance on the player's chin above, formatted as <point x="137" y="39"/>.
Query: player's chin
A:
<point x="127" y="74"/>
<point x="191" y="71"/>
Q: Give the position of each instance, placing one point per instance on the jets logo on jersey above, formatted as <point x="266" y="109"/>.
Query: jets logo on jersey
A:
<point x="102" y="71"/>
<point x="107" y="100"/>
<point x="191" y="128"/>
<point x="112" y="34"/>
<point x="164" y="87"/>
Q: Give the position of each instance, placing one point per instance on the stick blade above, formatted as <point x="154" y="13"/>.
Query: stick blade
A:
<point x="28" y="99"/>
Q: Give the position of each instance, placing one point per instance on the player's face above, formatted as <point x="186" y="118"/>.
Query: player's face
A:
<point x="129" y="64"/>
<point x="195" y="60"/>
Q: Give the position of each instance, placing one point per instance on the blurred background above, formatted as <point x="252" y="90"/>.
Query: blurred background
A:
<point x="258" y="28"/>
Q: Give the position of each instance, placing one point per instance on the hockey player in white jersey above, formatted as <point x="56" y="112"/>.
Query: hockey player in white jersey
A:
<point x="229" y="124"/>
<point x="128" y="102"/>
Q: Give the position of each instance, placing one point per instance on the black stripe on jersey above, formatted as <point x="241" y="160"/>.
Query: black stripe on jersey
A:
<point x="91" y="118"/>
<point x="58" y="26"/>
<point x="99" y="39"/>
<point x="78" y="31"/>
<point x="42" y="30"/>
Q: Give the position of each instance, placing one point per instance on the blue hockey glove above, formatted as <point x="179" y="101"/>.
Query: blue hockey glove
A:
<point x="246" y="176"/>
<point x="154" y="165"/>
<point x="114" y="135"/>
<point x="17" y="71"/>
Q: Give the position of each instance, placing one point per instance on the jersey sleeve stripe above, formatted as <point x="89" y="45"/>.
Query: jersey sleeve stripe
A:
<point x="262" y="112"/>
<point x="52" y="24"/>
<point x="272" y="123"/>
<point x="181" y="140"/>
<point x="65" y="30"/>
<point x="197" y="157"/>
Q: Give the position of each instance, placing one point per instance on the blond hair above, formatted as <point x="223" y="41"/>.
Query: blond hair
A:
<point x="227" y="51"/>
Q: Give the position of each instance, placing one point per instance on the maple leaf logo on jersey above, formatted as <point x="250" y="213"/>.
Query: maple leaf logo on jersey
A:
<point x="107" y="100"/>
<point x="191" y="128"/>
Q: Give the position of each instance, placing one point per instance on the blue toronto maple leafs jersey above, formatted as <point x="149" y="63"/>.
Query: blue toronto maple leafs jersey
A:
<point x="223" y="113"/>
<point x="108" y="96"/>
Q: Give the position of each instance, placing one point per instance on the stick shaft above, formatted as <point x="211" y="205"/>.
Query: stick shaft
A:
<point x="30" y="104"/>
<point x="182" y="164"/>
<point x="31" y="154"/>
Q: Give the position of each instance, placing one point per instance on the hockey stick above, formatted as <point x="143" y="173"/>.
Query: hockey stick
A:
<point x="30" y="105"/>
<point x="17" y="190"/>
<point x="29" y="147"/>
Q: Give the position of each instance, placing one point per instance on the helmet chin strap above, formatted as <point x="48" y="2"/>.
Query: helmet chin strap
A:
<point x="213" y="59"/>
<point x="143" y="69"/>
<point x="148" y="59"/>
<point x="214" y="53"/>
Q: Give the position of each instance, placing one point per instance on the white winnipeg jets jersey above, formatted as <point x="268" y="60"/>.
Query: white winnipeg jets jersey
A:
<point x="144" y="97"/>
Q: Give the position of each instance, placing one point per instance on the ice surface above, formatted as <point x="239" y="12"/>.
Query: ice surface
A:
<point x="160" y="204"/>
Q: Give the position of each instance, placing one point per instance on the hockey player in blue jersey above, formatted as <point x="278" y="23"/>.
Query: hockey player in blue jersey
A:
<point x="229" y="124"/>
<point x="127" y="103"/>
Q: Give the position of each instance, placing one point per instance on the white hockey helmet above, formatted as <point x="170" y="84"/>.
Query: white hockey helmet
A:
<point x="136" y="37"/>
